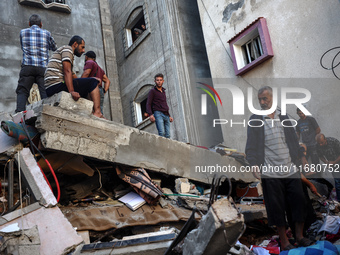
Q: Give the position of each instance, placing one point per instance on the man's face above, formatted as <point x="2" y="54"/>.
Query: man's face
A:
<point x="265" y="100"/>
<point x="159" y="82"/>
<point x="322" y="141"/>
<point x="80" y="49"/>
<point x="301" y="115"/>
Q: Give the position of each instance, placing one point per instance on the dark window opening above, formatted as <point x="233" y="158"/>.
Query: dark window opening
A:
<point x="143" y="109"/>
<point x="138" y="28"/>
<point x="55" y="1"/>
<point x="252" y="50"/>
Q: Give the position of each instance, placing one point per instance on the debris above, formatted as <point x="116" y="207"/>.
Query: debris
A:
<point x="150" y="243"/>
<point x="66" y="163"/>
<point x="108" y="217"/>
<point x="20" y="242"/>
<point x="141" y="182"/>
<point x="217" y="231"/>
<point x="132" y="200"/>
<point x="201" y="203"/>
<point x="331" y="225"/>
<point x="250" y="190"/>
<point x="182" y="185"/>
<point x="51" y="224"/>
<point x="63" y="127"/>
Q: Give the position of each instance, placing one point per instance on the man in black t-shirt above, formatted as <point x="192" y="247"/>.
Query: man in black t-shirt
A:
<point x="307" y="128"/>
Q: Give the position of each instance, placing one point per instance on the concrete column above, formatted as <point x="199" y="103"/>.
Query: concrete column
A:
<point x="110" y="61"/>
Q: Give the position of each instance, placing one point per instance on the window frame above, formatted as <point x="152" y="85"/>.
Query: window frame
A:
<point x="129" y="44"/>
<point x="59" y="7"/>
<point x="257" y="29"/>
<point x="141" y="95"/>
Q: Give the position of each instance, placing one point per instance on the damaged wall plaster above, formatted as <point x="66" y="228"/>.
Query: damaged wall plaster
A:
<point x="230" y="9"/>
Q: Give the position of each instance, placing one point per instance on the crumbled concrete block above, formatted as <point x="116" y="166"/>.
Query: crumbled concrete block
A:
<point x="201" y="203"/>
<point x="65" y="101"/>
<point x="182" y="185"/>
<point x="35" y="178"/>
<point x="57" y="235"/>
<point x="217" y="231"/>
<point x="20" y="242"/>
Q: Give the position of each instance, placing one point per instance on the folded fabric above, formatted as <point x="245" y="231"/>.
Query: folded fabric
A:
<point x="331" y="225"/>
<point x="141" y="182"/>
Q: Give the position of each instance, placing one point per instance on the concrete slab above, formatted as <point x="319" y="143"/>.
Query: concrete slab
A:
<point x="57" y="236"/>
<point x="35" y="178"/>
<point x="21" y="242"/>
<point x="64" y="128"/>
<point x="252" y="212"/>
<point x="217" y="231"/>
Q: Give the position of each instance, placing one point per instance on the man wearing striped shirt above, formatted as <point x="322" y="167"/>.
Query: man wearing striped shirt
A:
<point x="273" y="150"/>
<point x="35" y="44"/>
<point x="60" y="77"/>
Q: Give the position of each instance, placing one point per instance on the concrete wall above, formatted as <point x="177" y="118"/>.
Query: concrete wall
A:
<point x="84" y="20"/>
<point x="173" y="46"/>
<point x="300" y="31"/>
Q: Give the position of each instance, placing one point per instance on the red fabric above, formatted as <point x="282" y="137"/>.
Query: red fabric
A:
<point x="333" y="237"/>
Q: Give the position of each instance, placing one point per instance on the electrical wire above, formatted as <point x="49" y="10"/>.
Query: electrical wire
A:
<point x="47" y="162"/>
<point x="4" y="191"/>
<point x="100" y="178"/>
<point x="333" y="66"/>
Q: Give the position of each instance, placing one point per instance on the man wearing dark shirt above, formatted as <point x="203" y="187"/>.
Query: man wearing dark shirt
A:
<point x="92" y="69"/>
<point x="308" y="128"/>
<point x="157" y="107"/>
<point x="328" y="149"/>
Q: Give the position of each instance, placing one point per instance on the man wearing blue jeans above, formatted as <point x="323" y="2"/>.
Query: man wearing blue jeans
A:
<point x="157" y="107"/>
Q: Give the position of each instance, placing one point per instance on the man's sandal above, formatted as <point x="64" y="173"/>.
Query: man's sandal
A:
<point x="288" y="247"/>
<point x="304" y="242"/>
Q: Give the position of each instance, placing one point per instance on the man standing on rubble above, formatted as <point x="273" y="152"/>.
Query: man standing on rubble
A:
<point x="35" y="44"/>
<point x="308" y="128"/>
<point x="60" y="77"/>
<point x="272" y="150"/>
<point x="92" y="69"/>
<point x="328" y="149"/>
<point x="157" y="107"/>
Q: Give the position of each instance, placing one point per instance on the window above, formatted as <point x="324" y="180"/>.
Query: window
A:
<point x="251" y="47"/>
<point x="53" y="5"/>
<point x="136" y="29"/>
<point x="140" y="118"/>
<point x="141" y="111"/>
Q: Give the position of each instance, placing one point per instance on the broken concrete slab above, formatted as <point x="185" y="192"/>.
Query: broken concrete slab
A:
<point x="65" y="101"/>
<point x="217" y="231"/>
<point x="57" y="236"/>
<point x="65" y="129"/>
<point x="253" y="212"/>
<point x="52" y="224"/>
<point x="35" y="178"/>
<point x="149" y="243"/>
<point x="20" y="242"/>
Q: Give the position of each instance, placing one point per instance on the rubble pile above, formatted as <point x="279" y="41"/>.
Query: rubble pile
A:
<point x="75" y="184"/>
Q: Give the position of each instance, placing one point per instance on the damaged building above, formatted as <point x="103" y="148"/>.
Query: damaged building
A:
<point x="88" y="182"/>
<point x="72" y="183"/>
